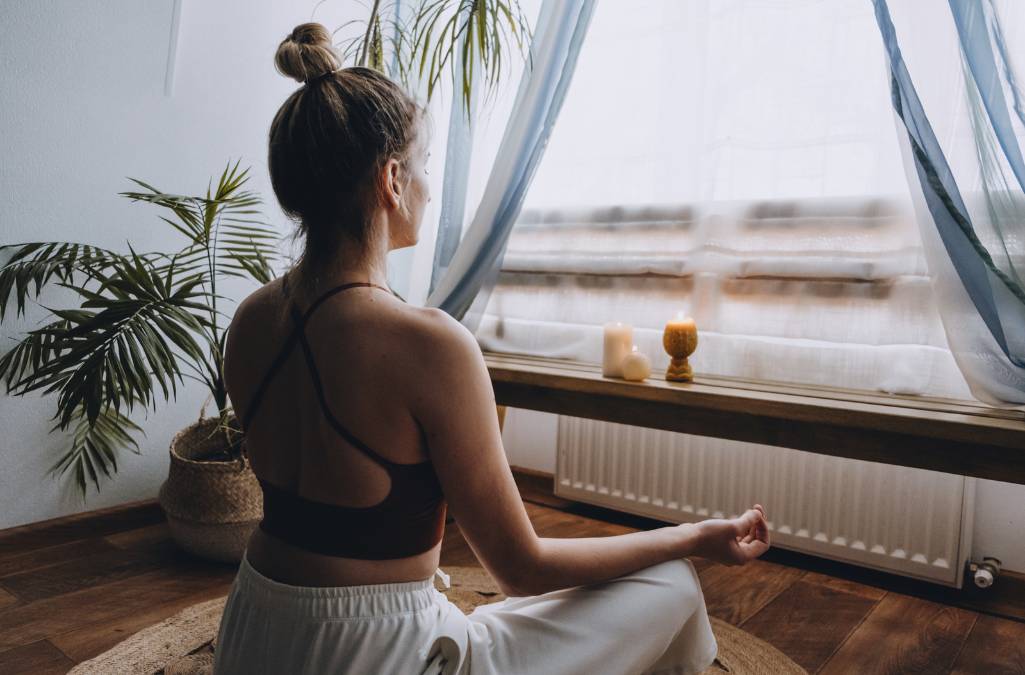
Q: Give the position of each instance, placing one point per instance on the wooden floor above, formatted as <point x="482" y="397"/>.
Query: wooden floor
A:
<point x="72" y="590"/>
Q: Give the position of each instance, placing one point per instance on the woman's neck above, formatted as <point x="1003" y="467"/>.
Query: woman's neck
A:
<point x="353" y="262"/>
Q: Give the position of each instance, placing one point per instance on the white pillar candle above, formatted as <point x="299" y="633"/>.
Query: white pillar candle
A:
<point x="636" y="366"/>
<point x="619" y="337"/>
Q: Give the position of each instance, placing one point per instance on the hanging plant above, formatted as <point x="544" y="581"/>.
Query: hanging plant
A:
<point x="468" y="39"/>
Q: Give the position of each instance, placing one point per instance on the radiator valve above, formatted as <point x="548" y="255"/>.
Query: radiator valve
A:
<point x="985" y="573"/>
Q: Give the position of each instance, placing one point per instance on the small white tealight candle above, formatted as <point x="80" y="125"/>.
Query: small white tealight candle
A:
<point x="619" y="337"/>
<point x="636" y="366"/>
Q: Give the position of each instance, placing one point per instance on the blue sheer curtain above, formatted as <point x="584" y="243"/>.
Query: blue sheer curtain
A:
<point x="971" y="206"/>
<point x="458" y="152"/>
<point x="463" y="287"/>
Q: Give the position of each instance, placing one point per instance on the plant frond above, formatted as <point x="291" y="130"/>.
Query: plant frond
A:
<point x="123" y="352"/>
<point x="481" y="32"/>
<point x="460" y="37"/>
<point x="32" y="352"/>
<point x="32" y="265"/>
<point x="95" y="446"/>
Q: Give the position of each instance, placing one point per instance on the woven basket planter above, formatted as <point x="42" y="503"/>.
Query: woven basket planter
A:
<point x="211" y="506"/>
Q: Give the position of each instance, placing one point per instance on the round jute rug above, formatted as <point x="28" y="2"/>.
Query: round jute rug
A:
<point x="184" y="643"/>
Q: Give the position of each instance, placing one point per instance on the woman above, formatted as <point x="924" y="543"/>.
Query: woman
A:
<point x="366" y="419"/>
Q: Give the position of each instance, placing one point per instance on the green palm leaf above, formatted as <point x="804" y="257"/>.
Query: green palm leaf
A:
<point x="426" y="43"/>
<point x="121" y="353"/>
<point x="32" y="353"/>
<point x="32" y="265"/>
<point x="95" y="446"/>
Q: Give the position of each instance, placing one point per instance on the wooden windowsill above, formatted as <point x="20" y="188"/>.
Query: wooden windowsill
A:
<point x="952" y="436"/>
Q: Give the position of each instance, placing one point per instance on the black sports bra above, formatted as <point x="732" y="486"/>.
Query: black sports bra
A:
<point x="408" y="521"/>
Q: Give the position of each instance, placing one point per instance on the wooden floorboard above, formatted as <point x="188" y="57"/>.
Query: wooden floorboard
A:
<point x="845" y="585"/>
<point x="1006" y="597"/>
<point x="26" y="623"/>
<point x="86" y="642"/>
<point x="995" y="646"/>
<point x="70" y="595"/>
<point x="36" y="658"/>
<point x="17" y="541"/>
<point x="904" y="635"/>
<point x="810" y="620"/>
<point x="141" y="539"/>
<point x="7" y="600"/>
<point x="735" y="594"/>
<point x="35" y="560"/>
<point x="75" y="574"/>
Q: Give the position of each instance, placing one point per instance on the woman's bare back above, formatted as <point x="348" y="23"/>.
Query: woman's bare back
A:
<point x="360" y="344"/>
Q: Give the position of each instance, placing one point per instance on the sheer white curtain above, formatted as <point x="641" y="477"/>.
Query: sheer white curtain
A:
<point x="737" y="161"/>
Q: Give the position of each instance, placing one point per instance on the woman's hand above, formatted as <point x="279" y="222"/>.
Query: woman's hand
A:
<point x="733" y="541"/>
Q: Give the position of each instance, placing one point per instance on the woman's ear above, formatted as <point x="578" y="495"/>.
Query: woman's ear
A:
<point x="391" y="175"/>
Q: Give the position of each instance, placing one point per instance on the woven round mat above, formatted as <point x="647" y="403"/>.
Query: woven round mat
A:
<point x="183" y="644"/>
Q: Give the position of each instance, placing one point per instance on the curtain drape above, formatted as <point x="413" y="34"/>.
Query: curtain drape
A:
<point x="458" y="152"/>
<point x="464" y="287"/>
<point x="962" y="138"/>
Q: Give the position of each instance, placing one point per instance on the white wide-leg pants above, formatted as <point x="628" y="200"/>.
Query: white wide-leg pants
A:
<point x="653" y="621"/>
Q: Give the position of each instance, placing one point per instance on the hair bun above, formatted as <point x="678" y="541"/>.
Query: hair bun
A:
<point x="307" y="53"/>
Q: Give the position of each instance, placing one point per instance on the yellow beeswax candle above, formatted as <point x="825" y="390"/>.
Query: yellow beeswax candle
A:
<point x="680" y="339"/>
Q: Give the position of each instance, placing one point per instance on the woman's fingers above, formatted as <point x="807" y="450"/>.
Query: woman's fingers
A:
<point x="752" y="532"/>
<point x="754" y="549"/>
<point x="747" y="522"/>
<point x="739" y="539"/>
<point x="763" y="528"/>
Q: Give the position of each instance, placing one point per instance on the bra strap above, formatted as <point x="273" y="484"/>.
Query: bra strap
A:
<point x="329" y="292"/>
<point x="279" y="360"/>
<point x="319" y="387"/>
<point x="299" y="334"/>
<point x="337" y="289"/>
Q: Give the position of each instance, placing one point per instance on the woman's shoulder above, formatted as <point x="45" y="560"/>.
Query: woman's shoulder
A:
<point x="425" y="333"/>
<point x="258" y="305"/>
<point x="437" y="364"/>
<point x="435" y="332"/>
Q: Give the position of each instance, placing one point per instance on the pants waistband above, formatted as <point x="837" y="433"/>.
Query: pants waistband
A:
<point x="370" y="600"/>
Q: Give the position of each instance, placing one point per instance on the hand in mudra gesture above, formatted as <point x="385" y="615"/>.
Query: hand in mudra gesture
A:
<point x="734" y="541"/>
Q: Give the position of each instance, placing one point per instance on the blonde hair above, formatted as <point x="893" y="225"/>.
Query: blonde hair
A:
<point x="329" y="141"/>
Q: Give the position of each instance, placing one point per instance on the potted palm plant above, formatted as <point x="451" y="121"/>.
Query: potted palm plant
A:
<point x="145" y="322"/>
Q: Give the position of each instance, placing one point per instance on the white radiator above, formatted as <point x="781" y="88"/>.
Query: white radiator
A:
<point x="909" y="521"/>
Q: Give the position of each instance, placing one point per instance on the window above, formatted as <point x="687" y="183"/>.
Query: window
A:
<point x="736" y="161"/>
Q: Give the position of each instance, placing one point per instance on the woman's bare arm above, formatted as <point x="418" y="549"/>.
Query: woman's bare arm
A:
<point x="453" y="400"/>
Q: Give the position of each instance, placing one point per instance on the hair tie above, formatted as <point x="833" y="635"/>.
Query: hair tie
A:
<point x="320" y="77"/>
